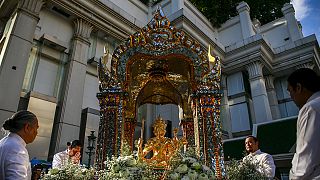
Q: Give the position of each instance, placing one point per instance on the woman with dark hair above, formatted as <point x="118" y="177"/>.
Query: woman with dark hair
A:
<point x="14" y="158"/>
<point x="71" y="155"/>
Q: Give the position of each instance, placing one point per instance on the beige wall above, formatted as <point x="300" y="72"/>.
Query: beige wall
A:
<point x="44" y="110"/>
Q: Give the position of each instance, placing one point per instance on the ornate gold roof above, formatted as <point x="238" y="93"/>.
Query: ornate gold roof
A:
<point x="158" y="65"/>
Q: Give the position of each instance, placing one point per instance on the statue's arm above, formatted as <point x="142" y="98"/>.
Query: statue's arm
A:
<point x="147" y="148"/>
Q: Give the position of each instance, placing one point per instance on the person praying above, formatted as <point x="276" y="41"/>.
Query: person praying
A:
<point x="71" y="155"/>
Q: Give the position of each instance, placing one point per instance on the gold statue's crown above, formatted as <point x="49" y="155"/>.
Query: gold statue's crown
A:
<point x="159" y="123"/>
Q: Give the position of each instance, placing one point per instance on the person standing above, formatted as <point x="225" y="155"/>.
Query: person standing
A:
<point x="263" y="160"/>
<point x="304" y="89"/>
<point x="71" y="155"/>
<point x="14" y="158"/>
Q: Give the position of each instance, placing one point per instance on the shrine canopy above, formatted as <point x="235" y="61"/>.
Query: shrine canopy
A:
<point x="160" y="65"/>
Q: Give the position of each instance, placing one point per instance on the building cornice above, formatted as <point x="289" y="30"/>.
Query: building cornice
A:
<point x="305" y="51"/>
<point x="309" y="41"/>
<point x="288" y="60"/>
<point x="241" y="57"/>
<point x="286" y="66"/>
<point x="100" y="16"/>
<point x="131" y="21"/>
<point x="183" y="23"/>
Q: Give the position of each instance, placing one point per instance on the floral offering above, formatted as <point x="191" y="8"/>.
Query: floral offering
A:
<point x="70" y="171"/>
<point x="188" y="167"/>
<point x="243" y="170"/>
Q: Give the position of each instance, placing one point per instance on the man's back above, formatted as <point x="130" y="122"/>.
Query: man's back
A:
<point x="14" y="158"/>
<point x="306" y="161"/>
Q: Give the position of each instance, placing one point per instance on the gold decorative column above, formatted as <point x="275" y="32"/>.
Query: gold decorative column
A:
<point x="128" y="131"/>
<point x="188" y="130"/>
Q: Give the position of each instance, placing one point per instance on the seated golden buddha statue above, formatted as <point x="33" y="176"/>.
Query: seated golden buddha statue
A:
<point x="161" y="147"/>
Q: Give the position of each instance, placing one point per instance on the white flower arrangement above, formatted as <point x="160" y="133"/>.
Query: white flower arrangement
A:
<point x="70" y="171"/>
<point x="127" y="167"/>
<point x="123" y="167"/>
<point x="247" y="169"/>
<point x="188" y="167"/>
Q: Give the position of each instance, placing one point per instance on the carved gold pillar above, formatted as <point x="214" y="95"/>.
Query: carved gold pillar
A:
<point x="188" y="130"/>
<point x="128" y="131"/>
<point x="110" y="127"/>
<point x="209" y="127"/>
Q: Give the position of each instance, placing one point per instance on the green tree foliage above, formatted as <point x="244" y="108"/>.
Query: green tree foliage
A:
<point x="219" y="11"/>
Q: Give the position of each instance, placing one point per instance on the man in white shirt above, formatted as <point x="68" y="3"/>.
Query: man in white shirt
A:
<point x="263" y="160"/>
<point x="71" y="155"/>
<point x="14" y="157"/>
<point x="304" y="89"/>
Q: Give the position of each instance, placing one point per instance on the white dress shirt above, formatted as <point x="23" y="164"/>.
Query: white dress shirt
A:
<point x="265" y="162"/>
<point x="14" y="158"/>
<point x="306" y="160"/>
<point x="60" y="159"/>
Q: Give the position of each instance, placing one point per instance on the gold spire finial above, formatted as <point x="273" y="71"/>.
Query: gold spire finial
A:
<point x="211" y="58"/>
<point x="105" y="57"/>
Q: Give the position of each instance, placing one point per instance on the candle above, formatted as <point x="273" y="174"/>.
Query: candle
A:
<point x="142" y="128"/>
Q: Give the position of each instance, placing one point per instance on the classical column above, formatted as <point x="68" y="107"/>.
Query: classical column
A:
<point x="293" y="27"/>
<point x="245" y="20"/>
<point x="259" y="94"/>
<point x="15" y="54"/>
<point x="272" y="97"/>
<point x="225" y="106"/>
<point x="68" y="125"/>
